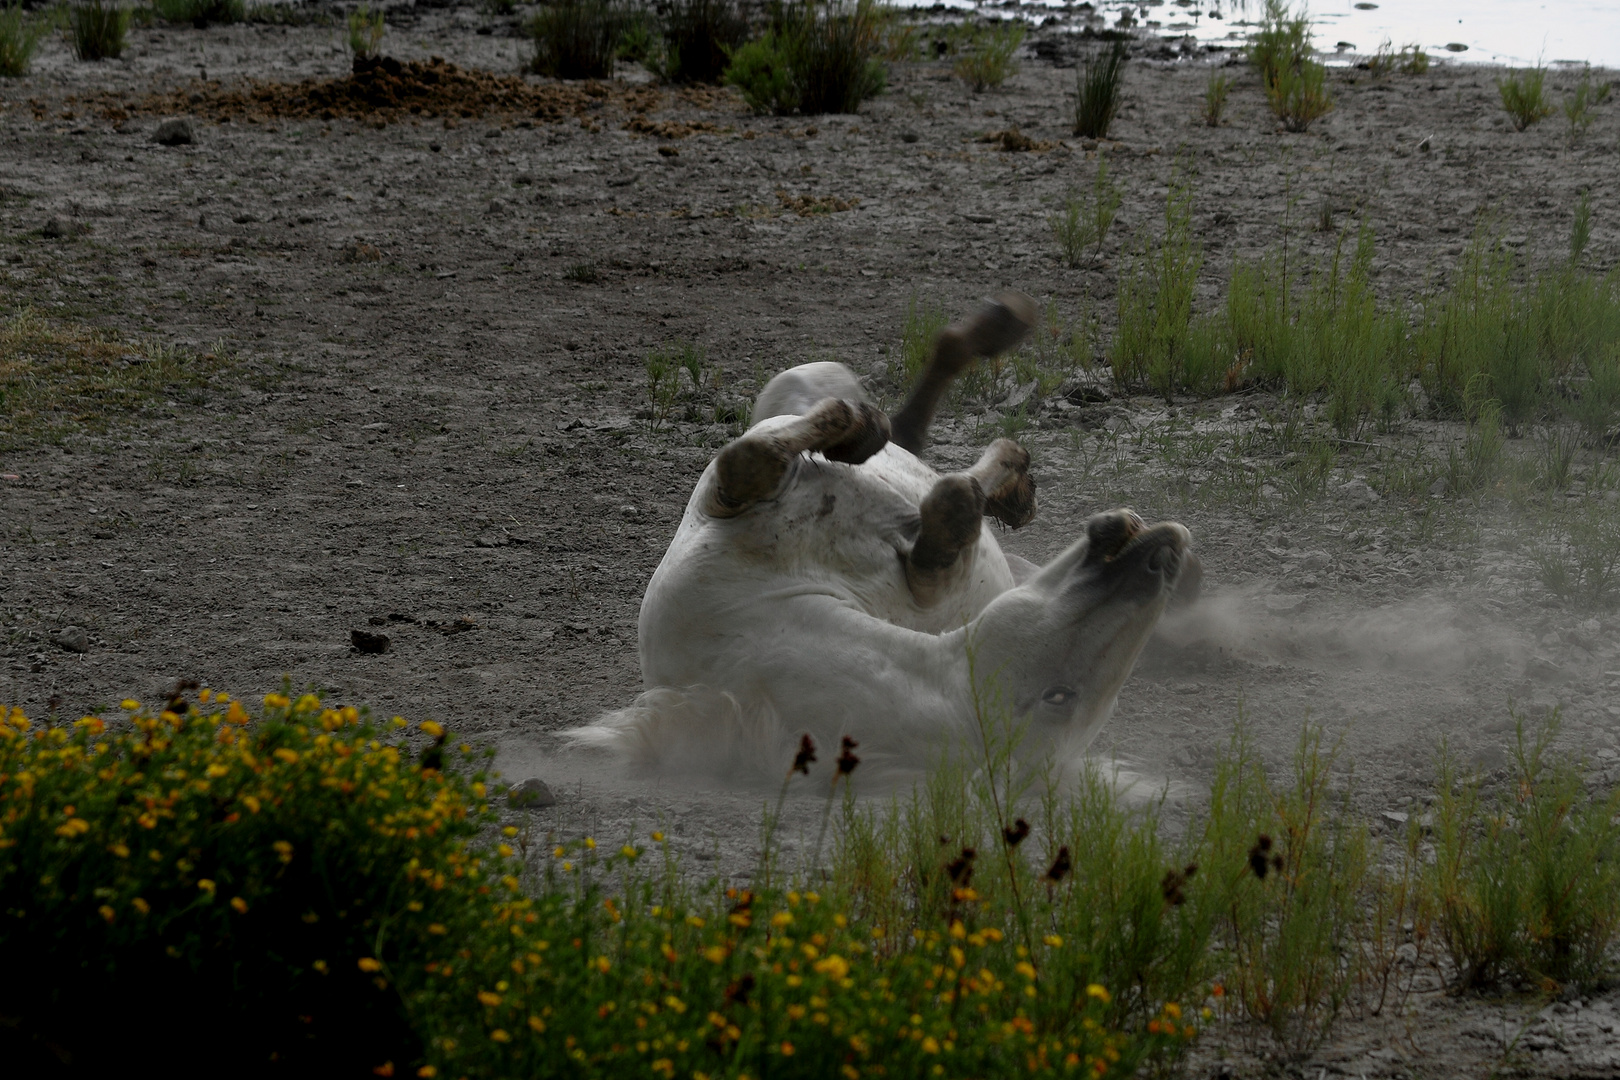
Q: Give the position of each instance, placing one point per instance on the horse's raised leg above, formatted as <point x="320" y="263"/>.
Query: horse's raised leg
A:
<point x="998" y="483"/>
<point x="1000" y="323"/>
<point x="751" y="468"/>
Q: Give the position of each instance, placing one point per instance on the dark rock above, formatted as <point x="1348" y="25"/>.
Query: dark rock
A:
<point x="71" y="638"/>
<point x="530" y="795"/>
<point x="174" y="132"/>
<point x="368" y="641"/>
<point x="54" y="229"/>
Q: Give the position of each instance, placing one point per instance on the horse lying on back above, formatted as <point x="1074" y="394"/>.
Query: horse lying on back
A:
<point x="825" y="581"/>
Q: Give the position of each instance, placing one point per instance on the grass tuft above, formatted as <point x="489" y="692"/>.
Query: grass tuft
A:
<point x="699" y="39"/>
<point x="200" y="13"/>
<point x="1578" y="104"/>
<point x="19" y="37"/>
<point x="817" y="57"/>
<point x="1215" y="92"/>
<point x="365" y="32"/>
<point x="575" y="39"/>
<point x="1524" y="97"/>
<point x="986" y="59"/>
<point x="98" y="30"/>
<point x="1085" y="220"/>
<point x="1098" y="90"/>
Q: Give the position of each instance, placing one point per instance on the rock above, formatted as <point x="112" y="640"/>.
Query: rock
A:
<point x="1358" y="493"/>
<point x="1393" y="817"/>
<point x="175" y="131"/>
<point x="530" y="795"/>
<point x="490" y="540"/>
<point x="1020" y="396"/>
<point x="980" y="219"/>
<point x="54" y="229"/>
<point x="369" y="641"/>
<point x="496" y="207"/>
<point x="1539" y="667"/>
<point x="71" y="638"/>
<point x="1440" y="486"/>
<point x="629" y="513"/>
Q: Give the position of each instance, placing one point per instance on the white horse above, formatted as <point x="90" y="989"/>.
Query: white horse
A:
<point x="825" y="581"/>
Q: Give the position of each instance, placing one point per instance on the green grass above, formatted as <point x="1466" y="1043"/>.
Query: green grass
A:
<point x="986" y="57"/>
<point x="816" y="57"/>
<point x="1216" y="90"/>
<point x="922" y="324"/>
<point x="575" y="39"/>
<point x="1283" y="42"/>
<point x="98" y="30"/>
<point x="1099" y="87"/>
<point x="1580" y="102"/>
<point x="1082" y="225"/>
<point x="60" y="378"/>
<point x="1299" y="95"/>
<point x="1152" y="338"/>
<point x="365" y="32"/>
<point x="699" y="39"/>
<point x="19" y="37"/>
<point x="1524" y="97"/>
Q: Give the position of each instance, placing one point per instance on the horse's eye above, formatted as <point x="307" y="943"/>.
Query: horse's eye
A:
<point x="1057" y="695"/>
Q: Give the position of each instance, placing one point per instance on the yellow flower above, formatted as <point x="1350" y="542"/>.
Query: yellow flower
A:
<point x="602" y="964"/>
<point x="1054" y="941"/>
<point x="833" y="965"/>
<point x="537" y="1024"/>
<point x="500" y="1035"/>
<point x="286" y="755"/>
<point x="781" y="919"/>
<point x="1172" y="1010"/>
<point x="129" y="704"/>
<point x="369" y="964"/>
<point x="216" y="770"/>
<point x="509" y="832"/>
<point x="239" y="904"/>
<point x="1025" y="968"/>
<point x="505" y="850"/>
<point x="715" y="954"/>
<point x="436" y="928"/>
<point x="488" y="998"/>
<point x="958" y="930"/>
<point x="432" y="729"/>
<point x="206" y="886"/>
<point x="590" y="842"/>
<point x="428" y="1072"/>
<point x="140" y="905"/>
<point x="628" y="852"/>
<point x="275" y="701"/>
<point x="658" y="838"/>
<point x="930" y="1045"/>
<point x="787" y="1048"/>
<point x="107" y="912"/>
<point x="320" y="966"/>
<point x="308" y="703"/>
<point x="251" y="803"/>
<point x="1099" y="992"/>
<point x="284" y="850"/>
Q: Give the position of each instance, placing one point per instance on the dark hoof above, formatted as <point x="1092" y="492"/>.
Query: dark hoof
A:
<point x="951" y="515"/>
<point x="999" y="324"/>
<point x="1014" y="504"/>
<point x="869" y="435"/>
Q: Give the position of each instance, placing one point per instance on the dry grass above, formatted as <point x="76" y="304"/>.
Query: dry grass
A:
<point x="58" y="378"/>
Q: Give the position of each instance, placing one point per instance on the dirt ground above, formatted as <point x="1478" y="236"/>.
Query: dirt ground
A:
<point x="434" y="422"/>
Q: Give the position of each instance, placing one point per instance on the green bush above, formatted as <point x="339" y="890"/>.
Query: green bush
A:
<point x="1156" y="301"/>
<point x="1524" y="97"/>
<point x="98" y="30"/>
<point x="19" y="37"/>
<point x="1097" y="91"/>
<point x="1527" y="885"/>
<point x="699" y="39"/>
<point x="987" y="56"/>
<point x="1215" y="91"/>
<point x="265" y="880"/>
<point x="1084" y="221"/>
<point x="816" y="58"/>
<point x="200" y="13"/>
<point x="1299" y="95"/>
<point x="576" y="39"/>
<point x="1283" y="42"/>
<point x="365" y="32"/>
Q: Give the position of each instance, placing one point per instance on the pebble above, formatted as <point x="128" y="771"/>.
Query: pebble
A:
<point x="54" y="229"/>
<point x="71" y="638"/>
<point x="1359" y="493"/>
<point x="531" y="794"/>
<point x="174" y="132"/>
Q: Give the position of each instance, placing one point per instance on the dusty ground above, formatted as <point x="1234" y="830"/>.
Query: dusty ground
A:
<point x="434" y="415"/>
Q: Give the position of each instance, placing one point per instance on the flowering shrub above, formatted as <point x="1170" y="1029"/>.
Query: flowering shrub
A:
<point x="258" y="879"/>
<point x="304" y="893"/>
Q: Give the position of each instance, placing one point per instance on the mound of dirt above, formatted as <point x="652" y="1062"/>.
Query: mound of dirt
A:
<point x="386" y="90"/>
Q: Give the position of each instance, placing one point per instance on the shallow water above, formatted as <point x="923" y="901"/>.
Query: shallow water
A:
<point x="1515" y="32"/>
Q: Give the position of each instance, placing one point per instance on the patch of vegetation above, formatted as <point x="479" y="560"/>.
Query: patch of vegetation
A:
<point x="1578" y="555"/>
<point x="1524" y="97"/>
<point x="1098" y="90"/>
<point x="1283" y="42"/>
<point x="986" y="58"/>
<point x="1152" y="339"/>
<point x="57" y="378"/>
<point x="201" y="13"/>
<point x="699" y="39"/>
<point x="817" y="57"/>
<point x="1299" y="96"/>
<point x="1410" y="60"/>
<point x="922" y="324"/>
<point x="1085" y="220"/>
<point x="1578" y="104"/>
<point x="365" y="32"/>
<point x="575" y="39"/>
<point x="19" y="37"/>
<point x="1215" y="91"/>
<point x="98" y="29"/>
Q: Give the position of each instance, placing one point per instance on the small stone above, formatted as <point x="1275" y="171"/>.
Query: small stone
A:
<point x="496" y="207"/>
<point x="629" y="513"/>
<point x="1359" y="493"/>
<point x="909" y="136"/>
<point x="530" y="795"/>
<point x="1394" y="817"/>
<point x="54" y="229"/>
<point x="490" y="540"/>
<point x="981" y="219"/>
<point x="174" y="132"/>
<point x="71" y="638"/>
<point x="1440" y="486"/>
<point x="370" y="641"/>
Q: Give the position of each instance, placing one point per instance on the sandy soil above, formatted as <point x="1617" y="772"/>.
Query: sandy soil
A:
<point x="435" y="423"/>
